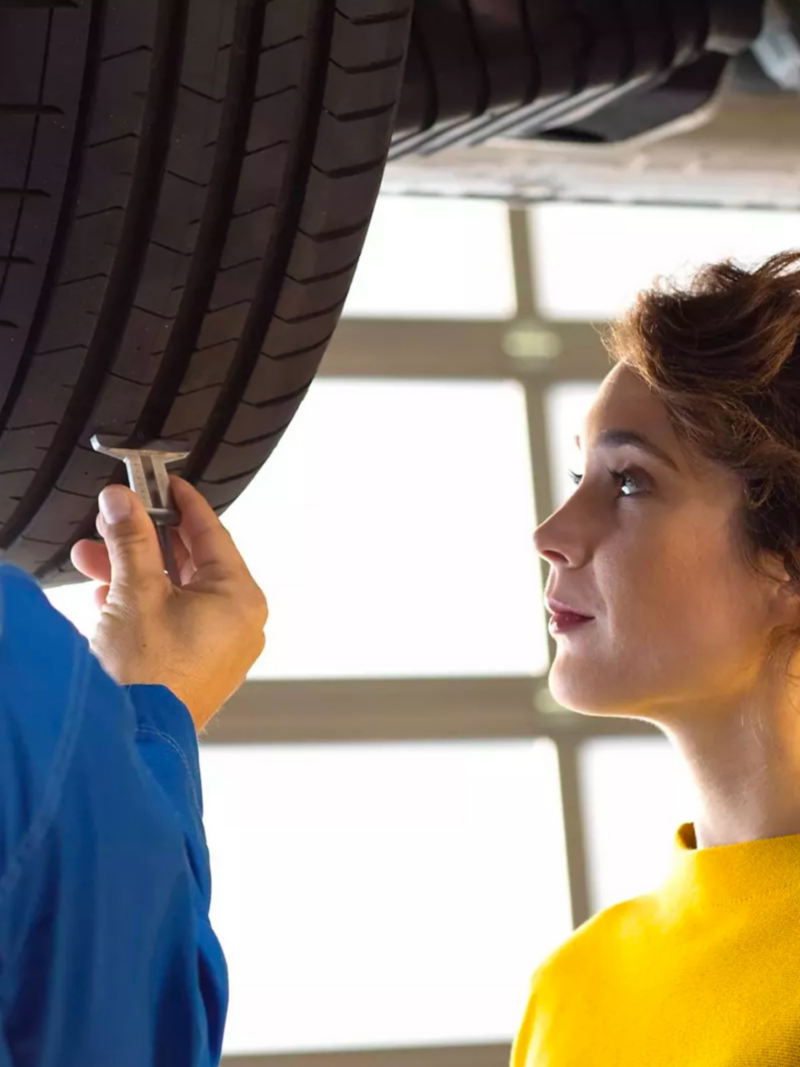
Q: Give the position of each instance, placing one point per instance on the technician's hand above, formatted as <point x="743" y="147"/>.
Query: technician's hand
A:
<point x="199" y="639"/>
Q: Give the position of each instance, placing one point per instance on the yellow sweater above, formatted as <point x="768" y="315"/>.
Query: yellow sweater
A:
<point x="703" y="972"/>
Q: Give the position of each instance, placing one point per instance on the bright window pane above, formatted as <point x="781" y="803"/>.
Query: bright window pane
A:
<point x="392" y="531"/>
<point x="637" y="794"/>
<point x="383" y="895"/>
<point x="77" y="603"/>
<point x="566" y="407"/>
<point x="592" y="259"/>
<point x="435" y="258"/>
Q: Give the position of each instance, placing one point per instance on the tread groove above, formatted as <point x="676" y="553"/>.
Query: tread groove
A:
<point x="71" y="492"/>
<point x="219" y="210"/>
<point x="149" y="311"/>
<point x="313" y="314"/>
<point x="11" y="190"/>
<point x="55" y="351"/>
<point x="427" y="74"/>
<point x="86" y="278"/>
<point x="30" y="109"/>
<point x="282" y="44"/>
<point x="183" y="178"/>
<point x="302" y="351"/>
<point x="112" y="140"/>
<point x="236" y="266"/>
<point x="226" y="307"/>
<point x="167" y="248"/>
<point x="199" y="389"/>
<point x="102" y="211"/>
<point x="367" y="113"/>
<point x="324" y="277"/>
<point x="334" y="235"/>
<point x="276" y="92"/>
<point x="125" y="378"/>
<point x="376" y="20"/>
<point x="265" y="148"/>
<point x="352" y="172"/>
<point x="280" y="246"/>
<point x="203" y="96"/>
<point x="128" y="52"/>
<point x="31" y="151"/>
<point x="273" y="402"/>
<point x="37" y="3"/>
<point x="253" y="210"/>
<point x="370" y="68"/>
<point x="485" y="90"/>
<point x="123" y="282"/>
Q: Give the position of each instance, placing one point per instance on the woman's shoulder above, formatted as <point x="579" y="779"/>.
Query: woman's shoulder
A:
<point x="620" y="924"/>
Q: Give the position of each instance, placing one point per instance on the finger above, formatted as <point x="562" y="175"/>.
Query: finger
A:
<point x="129" y="533"/>
<point x="209" y="543"/>
<point x="91" y="559"/>
<point x="183" y="559"/>
<point x="100" y="594"/>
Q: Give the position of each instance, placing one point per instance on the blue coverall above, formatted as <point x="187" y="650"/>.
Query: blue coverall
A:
<point x="107" y="956"/>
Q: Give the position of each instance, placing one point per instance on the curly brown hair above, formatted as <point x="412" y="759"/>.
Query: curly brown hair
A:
<point x="723" y="354"/>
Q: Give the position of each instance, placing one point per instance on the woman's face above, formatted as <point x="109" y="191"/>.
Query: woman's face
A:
<point x="679" y="620"/>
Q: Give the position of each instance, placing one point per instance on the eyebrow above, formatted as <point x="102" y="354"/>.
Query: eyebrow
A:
<point x="616" y="438"/>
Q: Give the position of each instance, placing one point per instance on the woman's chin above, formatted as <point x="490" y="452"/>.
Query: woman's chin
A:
<point x="577" y="688"/>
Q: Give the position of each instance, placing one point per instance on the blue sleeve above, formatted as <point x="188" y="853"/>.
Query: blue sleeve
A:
<point x="106" y="951"/>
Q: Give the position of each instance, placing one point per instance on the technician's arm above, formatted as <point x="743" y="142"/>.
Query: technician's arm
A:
<point x="107" y="958"/>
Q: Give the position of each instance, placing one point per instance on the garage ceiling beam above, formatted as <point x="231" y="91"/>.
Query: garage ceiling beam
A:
<point x="444" y="1056"/>
<point x="411" y="348"/>
<point x="406" y="709"/>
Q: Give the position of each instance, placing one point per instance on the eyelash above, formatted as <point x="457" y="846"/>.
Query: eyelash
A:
<point x="626" y="474"/>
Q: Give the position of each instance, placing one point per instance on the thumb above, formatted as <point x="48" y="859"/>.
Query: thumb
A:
<point x="133" y="547"/>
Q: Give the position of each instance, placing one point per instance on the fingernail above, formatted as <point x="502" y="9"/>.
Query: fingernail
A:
<point x="115" y="505"/>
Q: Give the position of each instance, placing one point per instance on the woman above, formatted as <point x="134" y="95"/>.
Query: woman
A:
<point x="682" y="543"/>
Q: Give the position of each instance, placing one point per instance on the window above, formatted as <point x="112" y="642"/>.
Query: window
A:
<point x="637" y="794"/>
<point x="566" y="407"/>
<point x="392" y="532"/>
<point x="77" y="603"/>
<point x="383" y="895"/>
<point x="592" y="259"/>
<point x="435" y="258"/>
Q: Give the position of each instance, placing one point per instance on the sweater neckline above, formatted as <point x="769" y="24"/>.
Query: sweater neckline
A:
<point x="723" y="874"/>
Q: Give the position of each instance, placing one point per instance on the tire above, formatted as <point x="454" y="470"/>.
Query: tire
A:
<point x="185" y="189"/>
<point x="528" y="69"/>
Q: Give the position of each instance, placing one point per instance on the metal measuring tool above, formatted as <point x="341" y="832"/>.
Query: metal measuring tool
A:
<point x="149" y="479"/>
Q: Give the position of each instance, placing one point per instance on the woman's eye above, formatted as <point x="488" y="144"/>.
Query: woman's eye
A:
<point x="625" y="477"/>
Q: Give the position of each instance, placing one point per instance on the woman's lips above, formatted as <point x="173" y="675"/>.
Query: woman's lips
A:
<point x="564" y="617"/>
<point x="557" y="608"/>
<point x="561" y="622"/>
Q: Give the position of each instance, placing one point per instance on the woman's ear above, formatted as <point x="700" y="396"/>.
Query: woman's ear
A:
<point x="784" y="597"/>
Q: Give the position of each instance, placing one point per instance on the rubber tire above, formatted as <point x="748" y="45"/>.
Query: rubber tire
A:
<point x="185" y="189"/>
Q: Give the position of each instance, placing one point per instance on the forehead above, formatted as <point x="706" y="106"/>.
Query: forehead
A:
<point x="625" y="402"/>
